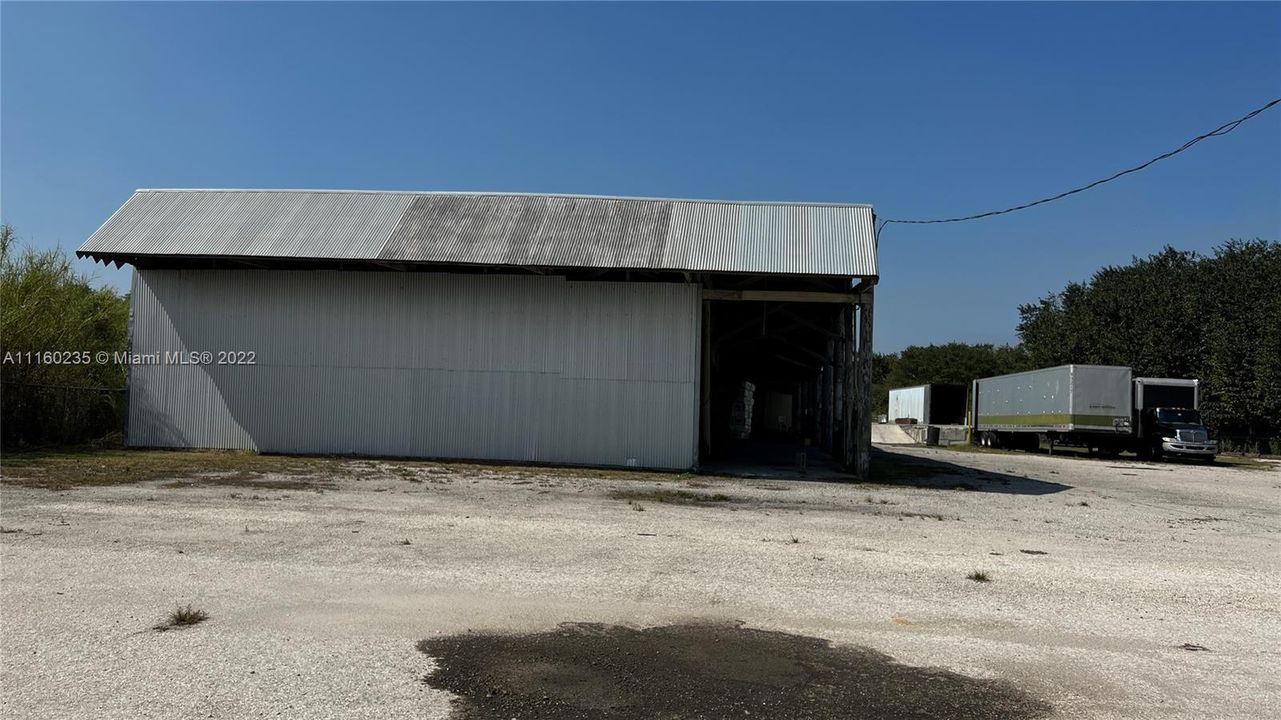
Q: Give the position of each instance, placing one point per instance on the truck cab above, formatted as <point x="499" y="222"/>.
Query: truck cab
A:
<point x="1177" y="431"/>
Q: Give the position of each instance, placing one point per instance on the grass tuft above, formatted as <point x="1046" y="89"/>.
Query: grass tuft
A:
<point x="183" y="616"/>
<point x="978" y="576"/>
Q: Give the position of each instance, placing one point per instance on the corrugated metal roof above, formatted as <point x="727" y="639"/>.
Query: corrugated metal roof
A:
<point x="494" y="229"/>
<point x="250" y="224"/>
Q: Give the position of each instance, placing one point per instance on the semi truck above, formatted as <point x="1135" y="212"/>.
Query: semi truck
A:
<point x="1100" y="407"/>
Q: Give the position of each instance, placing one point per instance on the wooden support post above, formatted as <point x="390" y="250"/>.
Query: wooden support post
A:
<point x="863" y="429"/>
<point x="829" y="396"/>
<point x="705" y="382"/>
<point x="838" y="389"/>
<point x="850" y="417"/>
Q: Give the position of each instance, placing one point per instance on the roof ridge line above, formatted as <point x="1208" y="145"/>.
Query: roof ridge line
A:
<point x="785" y="203"/>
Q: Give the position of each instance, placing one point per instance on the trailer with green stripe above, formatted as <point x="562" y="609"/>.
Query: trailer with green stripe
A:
<point x="1102" y="407"/>
<point x="1065" y="403"/>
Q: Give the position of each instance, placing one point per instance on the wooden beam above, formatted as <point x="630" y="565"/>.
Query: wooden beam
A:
<point x="829" y="398"/>
<point x="798" y="320"/>
<point x="863" y="429"/>
<point x="803" y="296"/>
<point x="705" y="383"/>
<point x="850" y="415"/>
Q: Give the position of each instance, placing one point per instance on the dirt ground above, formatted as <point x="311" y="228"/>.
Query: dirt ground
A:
<point x="347" y="588"/>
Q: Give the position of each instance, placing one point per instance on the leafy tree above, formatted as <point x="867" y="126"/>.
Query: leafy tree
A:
<point x="1240" y="359"/>
<point x="1179" y="314"/>
<point x="46" y="306"/>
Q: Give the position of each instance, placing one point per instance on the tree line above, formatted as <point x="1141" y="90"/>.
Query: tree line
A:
<point x="47" y="307"/>
<point x="1176" y="313"/>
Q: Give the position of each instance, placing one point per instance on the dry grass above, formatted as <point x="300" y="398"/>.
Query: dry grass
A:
<point x="183" y="616"/>
<point x="65" y="468"/>
<point x="252" y="479"/>
<point x="671" y="497"/>
<point x="561" y="472"/>
<point x="68" y="468"/>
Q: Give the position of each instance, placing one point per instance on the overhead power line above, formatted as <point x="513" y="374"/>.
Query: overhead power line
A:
<point x="1221" y="130"/>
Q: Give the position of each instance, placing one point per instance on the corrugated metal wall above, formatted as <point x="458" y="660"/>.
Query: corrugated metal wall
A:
<point x="420" y="364"/>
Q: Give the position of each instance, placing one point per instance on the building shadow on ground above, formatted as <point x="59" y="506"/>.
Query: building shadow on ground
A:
<point x="778" y="461"/>
<point x="895" y="468"/>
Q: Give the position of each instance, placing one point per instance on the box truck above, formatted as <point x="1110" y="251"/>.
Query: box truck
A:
<point x="1101" y="407"/>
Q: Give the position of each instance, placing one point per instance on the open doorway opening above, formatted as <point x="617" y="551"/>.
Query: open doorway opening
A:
<point x="776" y="381"/>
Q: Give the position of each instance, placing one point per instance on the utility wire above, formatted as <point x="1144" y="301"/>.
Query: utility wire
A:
<point x="1221" y="130"/>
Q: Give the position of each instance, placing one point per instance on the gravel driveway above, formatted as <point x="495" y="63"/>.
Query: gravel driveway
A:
<point x="1116" y="589"/>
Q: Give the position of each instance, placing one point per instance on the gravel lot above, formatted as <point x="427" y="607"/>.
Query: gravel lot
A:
<point x="1101" y="572"/>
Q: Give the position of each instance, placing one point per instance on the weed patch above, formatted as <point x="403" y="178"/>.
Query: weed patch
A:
<point x="181" y="617"/>
<point x="65" y="469"/>
<point x="671" y="497"/>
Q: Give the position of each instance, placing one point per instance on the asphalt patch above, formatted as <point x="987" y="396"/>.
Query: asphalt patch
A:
<point x="705" y="671"/>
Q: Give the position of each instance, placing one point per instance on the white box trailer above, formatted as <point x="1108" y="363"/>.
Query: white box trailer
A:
<point x="909" y="405"/>
<point x="933" y="404"/>
<point x="1066" y="398"/>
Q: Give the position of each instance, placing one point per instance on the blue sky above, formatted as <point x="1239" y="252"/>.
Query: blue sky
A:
<point x="922" y="110"/>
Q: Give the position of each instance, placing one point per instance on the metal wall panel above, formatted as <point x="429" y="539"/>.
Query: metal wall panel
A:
<point x="496" y="367"/>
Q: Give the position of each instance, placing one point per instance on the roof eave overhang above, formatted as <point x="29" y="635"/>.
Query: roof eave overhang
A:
<point x="146" y="260"/>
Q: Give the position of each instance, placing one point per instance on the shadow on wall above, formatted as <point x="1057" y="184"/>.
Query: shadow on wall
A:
<point x="146" y="422"/>
<point x="893" y="468"/>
